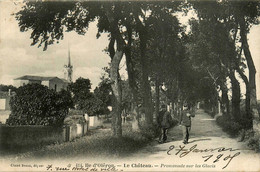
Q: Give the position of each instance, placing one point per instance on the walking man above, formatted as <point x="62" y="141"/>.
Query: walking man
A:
<point x="164" y="122"/>
<point x="185" y="121"/>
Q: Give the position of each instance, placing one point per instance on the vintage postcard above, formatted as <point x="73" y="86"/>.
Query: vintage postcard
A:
<point x="129" y="85"/>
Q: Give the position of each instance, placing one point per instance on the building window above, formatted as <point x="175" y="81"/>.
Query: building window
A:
<point x="55" y="87"/>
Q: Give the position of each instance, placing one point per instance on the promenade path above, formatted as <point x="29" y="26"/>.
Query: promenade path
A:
<point x="205" y="134"/>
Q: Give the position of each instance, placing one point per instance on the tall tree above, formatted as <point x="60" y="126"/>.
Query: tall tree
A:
<point x="240" y="15"/>
<point x="47" y="21"/>
<point x="246" y="14"/>
<point x="163" y="49"/>
<point x="209" y="57"/>
<point x="103" y="96"/>
<point x="81" y="95"/>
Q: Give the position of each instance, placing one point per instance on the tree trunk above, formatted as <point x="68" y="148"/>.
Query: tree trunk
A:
<point x="157" y="96"/>
<point x="225" y="100"/>
<point x="117" y="92"/>
<point x="146" y="91"/>
<point x="116" y="57"/>
<point x="133" y="86"/>
<point x="236" y="114"/>
<point x="247" y="116"/>
<point x="215" y="106"/>
<point x="146" y="88"/>
<point x="252" y="72"/>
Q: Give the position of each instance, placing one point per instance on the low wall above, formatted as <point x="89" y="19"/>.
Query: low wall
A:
<point x="29" y="136"/>
<point x="34" y="136"/>
<point x="94" y="121"/>
<point x="74" y="131"/>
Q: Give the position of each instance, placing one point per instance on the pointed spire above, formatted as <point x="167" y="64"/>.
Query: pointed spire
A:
<point x="68" y="68"/>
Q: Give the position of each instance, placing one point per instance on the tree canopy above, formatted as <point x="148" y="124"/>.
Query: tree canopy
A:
<point x="192" y="66"/>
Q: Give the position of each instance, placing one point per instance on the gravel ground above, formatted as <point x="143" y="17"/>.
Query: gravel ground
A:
<point x="205" y="134"/>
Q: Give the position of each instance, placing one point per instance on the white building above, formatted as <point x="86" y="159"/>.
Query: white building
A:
<point x="4" y="100"/>
<point x="54" y="83"/>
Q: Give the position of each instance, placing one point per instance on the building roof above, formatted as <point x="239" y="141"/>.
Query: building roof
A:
<point x="37" y="78"/>
<point x="64" y="80"/>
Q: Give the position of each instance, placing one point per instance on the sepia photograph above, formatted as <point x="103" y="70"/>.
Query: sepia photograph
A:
<point x="118" y="85"/>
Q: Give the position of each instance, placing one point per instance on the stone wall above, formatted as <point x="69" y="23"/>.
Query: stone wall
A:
<point x="74" y="131"/>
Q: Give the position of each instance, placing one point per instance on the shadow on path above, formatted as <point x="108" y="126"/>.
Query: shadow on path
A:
<point x="193" y="141"/>
<point x="204" y="132"/>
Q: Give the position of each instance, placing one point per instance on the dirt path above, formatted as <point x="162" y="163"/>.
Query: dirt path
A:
<point x="205" y="134"/>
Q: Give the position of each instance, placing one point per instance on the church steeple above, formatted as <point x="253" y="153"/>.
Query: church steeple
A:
<point x="68" y="68"/>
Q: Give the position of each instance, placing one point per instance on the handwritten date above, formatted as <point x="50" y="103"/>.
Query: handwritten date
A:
<point x="182" y="151"/>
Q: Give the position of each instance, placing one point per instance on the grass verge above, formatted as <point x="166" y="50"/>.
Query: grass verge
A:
<point x="98" y="143"/>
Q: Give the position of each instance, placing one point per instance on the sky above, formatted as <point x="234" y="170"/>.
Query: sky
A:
<point x="18" y="57"/>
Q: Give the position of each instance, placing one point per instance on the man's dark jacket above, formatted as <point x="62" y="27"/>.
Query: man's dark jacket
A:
<point x="164" y="119"/>
<point x="184" y="119"/>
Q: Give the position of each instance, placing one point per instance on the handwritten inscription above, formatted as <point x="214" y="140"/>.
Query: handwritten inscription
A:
<point x="183" y="151"/>
<point x="81" y="167"/>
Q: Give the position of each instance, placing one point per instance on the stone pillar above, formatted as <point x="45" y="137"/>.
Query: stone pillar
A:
<point x="198" y="105"/>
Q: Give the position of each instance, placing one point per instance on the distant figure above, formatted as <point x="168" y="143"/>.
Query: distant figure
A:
<point x="164" y="120"/>
<point x="185" y="121"/>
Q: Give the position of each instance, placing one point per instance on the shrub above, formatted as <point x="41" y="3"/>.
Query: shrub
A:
<point x="231" y="127"/>
<point x="149" y="131"/>
<point x="35" y="104"/>
<point x="252" y="139"/>
<point x="254" y="143"/>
